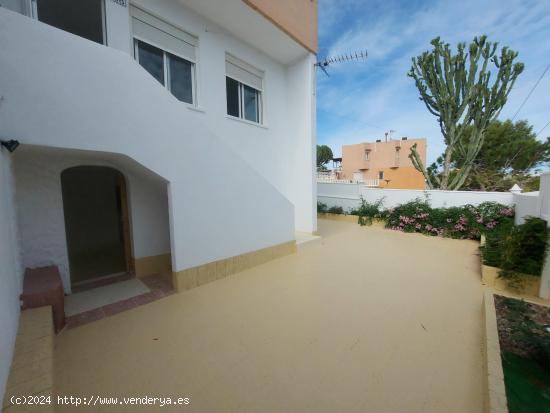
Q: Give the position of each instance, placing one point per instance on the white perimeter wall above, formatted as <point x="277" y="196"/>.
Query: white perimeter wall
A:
<point x="540" y="207"/>
<point x="348" y="196"/>
<point x="40" y="206"/>
<point x="527" y="205"/>
<point x="10" y="271"/>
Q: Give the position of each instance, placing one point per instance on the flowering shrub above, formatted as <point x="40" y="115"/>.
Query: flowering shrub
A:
<point x="368" y="211"/>
<point x="465" y="222"/>
<point x="491" y="252"/>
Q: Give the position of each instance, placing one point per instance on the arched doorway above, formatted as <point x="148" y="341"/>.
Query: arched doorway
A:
<point x="96" y="222"/>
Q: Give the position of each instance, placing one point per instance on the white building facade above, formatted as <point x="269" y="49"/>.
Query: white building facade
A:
<point x="203" y="111"/>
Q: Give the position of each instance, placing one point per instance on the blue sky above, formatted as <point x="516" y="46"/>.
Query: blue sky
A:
<point x="362" y="100"/>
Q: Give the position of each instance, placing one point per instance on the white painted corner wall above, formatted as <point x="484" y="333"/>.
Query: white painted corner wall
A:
<point x="10" y="269"/>
<point x="301" y="172"/>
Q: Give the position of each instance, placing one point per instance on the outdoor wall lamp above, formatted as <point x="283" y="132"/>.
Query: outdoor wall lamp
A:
<point x="10" y="145"/>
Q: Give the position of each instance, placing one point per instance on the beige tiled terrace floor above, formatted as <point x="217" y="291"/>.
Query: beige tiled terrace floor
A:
<point x="366" y="320"/>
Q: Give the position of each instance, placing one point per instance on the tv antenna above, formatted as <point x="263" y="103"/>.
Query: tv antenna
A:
<point x="389" y="134"/>
<point x="344" y="58"/>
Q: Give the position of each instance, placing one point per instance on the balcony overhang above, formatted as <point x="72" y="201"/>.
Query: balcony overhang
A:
<point x="248" y="25"/>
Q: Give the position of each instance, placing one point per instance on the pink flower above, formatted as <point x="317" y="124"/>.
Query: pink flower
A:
<point x="491" y="224"/>
<point x="418" y="226"/>
<point x="508" y="212"/>
<point x="406" y="220"/>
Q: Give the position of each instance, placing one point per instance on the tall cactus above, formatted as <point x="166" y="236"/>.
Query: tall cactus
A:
<point x="456" y="89"/>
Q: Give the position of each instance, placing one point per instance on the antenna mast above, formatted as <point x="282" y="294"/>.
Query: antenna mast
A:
<point x="344" y="58"/>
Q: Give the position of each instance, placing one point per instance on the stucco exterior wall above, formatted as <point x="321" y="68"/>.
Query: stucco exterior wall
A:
<point x="280" y="148"/>
<point x="40" y="206"/>
<point x="277" y="149"/>
<point x="10" y="269"/>
<point x="298" y="18"/>
<point x="390" y="157"/>
<point x="406" y="177"/>
<point x="299" y="173"/>
<point x="90" y="97"/>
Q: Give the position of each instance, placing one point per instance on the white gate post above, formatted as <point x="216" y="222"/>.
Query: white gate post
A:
<point x="544" y="196"/>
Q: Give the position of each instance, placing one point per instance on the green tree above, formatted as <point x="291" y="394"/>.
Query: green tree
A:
<point x="510" y="155"/>
<point x="324" y="155"/>
<point x="456" y="89"/>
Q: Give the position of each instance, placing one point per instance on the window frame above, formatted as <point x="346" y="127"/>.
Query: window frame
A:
<point x="259" y="107"/>
<point x="32" y="11"/>
<point x="397" y="154"/>
<point x="166" y="69"/>
<point x="381" y="175"/>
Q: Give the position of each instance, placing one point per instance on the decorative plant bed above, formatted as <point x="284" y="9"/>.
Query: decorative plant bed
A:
<point x="512" y="257"/>
<point x="524" y="336"/>
<point x="465" y="222"/>
<point x="529" y="286"/>
<point x="495" y="394"/>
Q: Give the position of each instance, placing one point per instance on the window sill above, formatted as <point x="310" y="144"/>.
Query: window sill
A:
<point x="194" y="108"/>
<point x="247" y="122"/>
